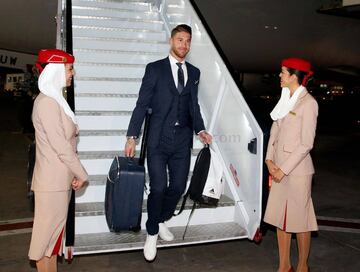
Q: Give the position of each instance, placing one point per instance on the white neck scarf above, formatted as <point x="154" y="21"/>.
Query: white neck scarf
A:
<point x="51" y="82"/>
<point x="286" y="103"/>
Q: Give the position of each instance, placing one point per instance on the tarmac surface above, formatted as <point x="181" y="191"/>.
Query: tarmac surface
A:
<point x="336" y="188"/>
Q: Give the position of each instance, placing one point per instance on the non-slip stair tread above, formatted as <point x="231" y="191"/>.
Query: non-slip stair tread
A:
<point x="97" y="177"/>
<point x="107" y="28"/>
<point x="175" y="6"/>
<point x="100" y="180"/>
<point x="114" y="12"/>
<point x="120" y="132"/>
<point x="105" y="39"/>
<point x="109" y="51"/>
<point x="108" y="64"/>
<point x="122" y="79"/>
<point x="102" y="113"/>
<point x="112" y="18"/>
<point x="112" y="153"/>
<point x="108" y="241"/>
<point x="141" y="2"/>
<point x="97" y="208"/>
<point x="103" y="177"/>
<point x="131" y="2"/>
<point x="99" y="154"/>
<point x="77" y="7"/>
<point x="106" y="95"/>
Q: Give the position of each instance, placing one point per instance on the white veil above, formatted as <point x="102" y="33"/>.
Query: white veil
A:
<point x="51" y="82"/>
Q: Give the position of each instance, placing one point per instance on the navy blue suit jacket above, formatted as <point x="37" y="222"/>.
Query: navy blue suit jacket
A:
<point x="157" y="92"/>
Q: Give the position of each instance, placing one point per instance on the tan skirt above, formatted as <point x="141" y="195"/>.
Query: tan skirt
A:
<point x="290" y="206"/>
<point x="49" y="221"/>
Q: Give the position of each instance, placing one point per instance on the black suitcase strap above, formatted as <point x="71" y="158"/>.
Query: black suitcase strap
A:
<point x="191" y="214"/>
<point x="145" y="136"/>
<point x="183" y="203"/>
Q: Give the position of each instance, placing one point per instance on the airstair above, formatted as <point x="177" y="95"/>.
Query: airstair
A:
<point x="113" y="40"/>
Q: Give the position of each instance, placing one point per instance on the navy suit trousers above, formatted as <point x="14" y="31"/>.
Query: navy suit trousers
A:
<point x="174" y="156"/>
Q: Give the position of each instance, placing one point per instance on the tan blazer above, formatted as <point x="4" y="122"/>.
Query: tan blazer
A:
<point x="56" y="160"/>
<point x="292" y="138"/>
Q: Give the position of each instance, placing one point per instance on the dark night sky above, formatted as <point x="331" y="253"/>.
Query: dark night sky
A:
<point x="239" y="26"/>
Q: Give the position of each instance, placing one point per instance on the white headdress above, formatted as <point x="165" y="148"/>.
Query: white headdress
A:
<point x="51" y="82"/>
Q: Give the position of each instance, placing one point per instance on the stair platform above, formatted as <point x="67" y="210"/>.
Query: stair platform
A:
<point x="112" y="242"/>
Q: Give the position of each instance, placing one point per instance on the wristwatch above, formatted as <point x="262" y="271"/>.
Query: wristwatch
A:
<point x="131" y="137"/>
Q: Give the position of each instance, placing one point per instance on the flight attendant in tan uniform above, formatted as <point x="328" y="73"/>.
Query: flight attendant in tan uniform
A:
<point x="57" y="167"/>
<point x="290" y="206"/>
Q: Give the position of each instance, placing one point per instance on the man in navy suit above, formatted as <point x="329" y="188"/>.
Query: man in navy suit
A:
<point x="170" y="88"/>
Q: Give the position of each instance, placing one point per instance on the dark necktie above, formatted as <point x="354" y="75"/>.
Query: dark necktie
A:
<point x="180" y="86"/>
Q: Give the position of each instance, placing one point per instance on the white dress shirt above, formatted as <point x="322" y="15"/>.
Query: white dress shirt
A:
<point x="175" y="68"/>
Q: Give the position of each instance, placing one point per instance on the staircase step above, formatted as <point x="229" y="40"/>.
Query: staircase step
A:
<point x="105" y="103"/>
<point x="111" y="242"/>
<point x="97" y="180"/>
<point x="97" y="223"/>
<point x="113" y="12"/>
<point x="175" y="2"/>
<point x="103" y="21"/>
<point x="177" y="18"/>
<point x="100" y="180"/>
<point x="106" y="95"/>
<point x="128" y="5"/>
<point x="119" y="132"/>
<point x="99" y="164"/>
<point x="117" y="32"/>
<point x="102" y="120"/>
<point x="91" y="155"/>
<point x="98" y="208"/>
<point x="108" y="71"/>
<point x="117" y="56"/>
<point x="120" y="44"/>
<point x="97" y="140"/>
<point x="111" y="142"/>
<point x="175" y="8"/>
<point x="103" y="87"/>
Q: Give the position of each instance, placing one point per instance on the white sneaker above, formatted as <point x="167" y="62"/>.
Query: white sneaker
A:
<point x="150" y="247"/>
<point x="165" y="233"/>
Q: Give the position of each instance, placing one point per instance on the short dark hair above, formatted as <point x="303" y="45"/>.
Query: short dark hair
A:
<point x="181" y="28"/>
<point x="299" y="74"/>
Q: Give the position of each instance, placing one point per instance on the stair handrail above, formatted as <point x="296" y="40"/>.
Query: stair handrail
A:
<point x="64" y="42"/>
<point x="64" y="39"/>
<point x="59" y="25"/>
<point x="162" y="6"/>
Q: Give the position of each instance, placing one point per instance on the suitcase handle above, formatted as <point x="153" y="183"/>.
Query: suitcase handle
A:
<point x="130" y="160"/>
<point x="118" y="169"/>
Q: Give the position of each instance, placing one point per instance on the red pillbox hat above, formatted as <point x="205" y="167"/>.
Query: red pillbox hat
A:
<point x="53" y="56"/>
<point x="299" y="64"/>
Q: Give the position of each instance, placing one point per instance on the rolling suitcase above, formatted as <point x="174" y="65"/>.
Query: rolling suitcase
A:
<point x="124" y="190"/>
